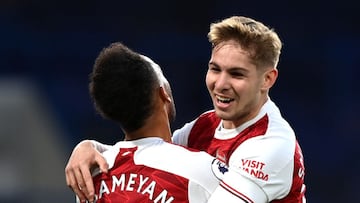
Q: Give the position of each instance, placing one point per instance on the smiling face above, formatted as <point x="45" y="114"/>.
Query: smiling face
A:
<point x="237" y="87"/>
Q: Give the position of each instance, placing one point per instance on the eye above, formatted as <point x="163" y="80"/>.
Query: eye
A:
<point x="237" y="74"/>
<point x="214" y="69"/>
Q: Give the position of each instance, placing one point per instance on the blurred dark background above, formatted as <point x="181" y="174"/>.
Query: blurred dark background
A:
<point x="47" y="49"/>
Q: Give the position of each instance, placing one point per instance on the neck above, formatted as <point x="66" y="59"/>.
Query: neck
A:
<point x="229" y="124"/>
<point x="157" y="125"/>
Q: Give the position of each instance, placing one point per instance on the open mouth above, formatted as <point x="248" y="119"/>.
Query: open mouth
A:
<point x="224" y="99"/>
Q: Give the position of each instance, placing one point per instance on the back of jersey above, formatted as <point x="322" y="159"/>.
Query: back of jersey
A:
<point x="151" y="170"/>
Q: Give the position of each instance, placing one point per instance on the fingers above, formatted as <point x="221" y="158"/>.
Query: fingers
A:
<point x="72" y="183"/>
<point x="80" y="194"/>
<point x="79" y="163"/>
<point x="78" y="173"/>
<point x="87" y="183"/>
<point x="101" y="162"/>
<point x="85" y="178"/>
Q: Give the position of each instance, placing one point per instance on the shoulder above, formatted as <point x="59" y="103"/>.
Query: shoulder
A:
<point x="269" y="159"/>
<point x="181" y="135"/>
<point x="277" y="123"/>
<point x="180" y="161"/>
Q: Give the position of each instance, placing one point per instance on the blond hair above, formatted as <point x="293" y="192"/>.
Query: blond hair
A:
<point x="263" y="44"/>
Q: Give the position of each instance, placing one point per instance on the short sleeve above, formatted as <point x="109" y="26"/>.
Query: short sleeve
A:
<point x="267" y="161"/>
<point x="181" y="136"/>
<point x="236" y="188"/>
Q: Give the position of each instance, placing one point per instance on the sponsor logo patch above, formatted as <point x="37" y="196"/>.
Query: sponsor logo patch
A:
<point x="219" y="168"/>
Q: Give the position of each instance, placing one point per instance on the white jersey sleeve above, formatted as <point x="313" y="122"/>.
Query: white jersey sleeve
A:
<point x="100" y="146"/>
<point x="258" y="159"/>
<point x="232" y="190"/>
<point x="180" y="136"/>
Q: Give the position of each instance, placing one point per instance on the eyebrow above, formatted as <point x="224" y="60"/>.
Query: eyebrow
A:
<point x="230" y="69"/>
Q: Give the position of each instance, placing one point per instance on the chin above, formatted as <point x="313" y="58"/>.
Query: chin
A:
<point x="223" y="115"/>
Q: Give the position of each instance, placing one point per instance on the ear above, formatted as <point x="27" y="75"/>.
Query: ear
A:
<point x="164" y="95"/>
<point x="270" y="77"/>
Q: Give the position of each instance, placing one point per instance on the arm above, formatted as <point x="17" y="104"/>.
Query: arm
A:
<point x="180" y="136"/>
<point x="237" y="188"/>
<point x="266" y="162"/>
<point x="86" y="155"/>
<point x="234" y="186"/>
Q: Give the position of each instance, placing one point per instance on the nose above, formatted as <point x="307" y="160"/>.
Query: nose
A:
<point x="222" y="82"/>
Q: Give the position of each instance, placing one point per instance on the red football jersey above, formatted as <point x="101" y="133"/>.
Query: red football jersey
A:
<point x="263" y="150"/>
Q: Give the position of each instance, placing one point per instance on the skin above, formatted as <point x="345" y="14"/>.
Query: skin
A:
<point x="77" y="173"/>
<point x="238" y="88"/>
<point x="231" y="76"/>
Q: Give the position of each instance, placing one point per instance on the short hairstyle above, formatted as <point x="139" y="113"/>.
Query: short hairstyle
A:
<point x="122" y="86"/>
<point x="263" y="44"/>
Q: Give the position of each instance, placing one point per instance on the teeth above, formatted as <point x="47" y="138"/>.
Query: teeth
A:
<point x="224" y="99"/>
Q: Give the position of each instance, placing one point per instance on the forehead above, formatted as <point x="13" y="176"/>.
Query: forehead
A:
<point x="231" y="54"/>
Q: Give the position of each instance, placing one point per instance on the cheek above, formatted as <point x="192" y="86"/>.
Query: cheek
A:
<point x="209" y="81"/>
<point x="240" y="85"/>
<point x="241" y="91"/>
<point x="243" y="88"/>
